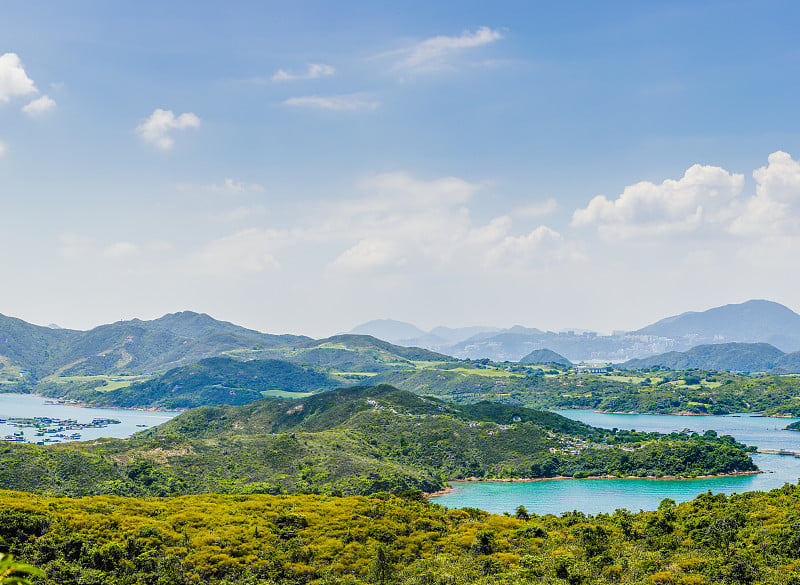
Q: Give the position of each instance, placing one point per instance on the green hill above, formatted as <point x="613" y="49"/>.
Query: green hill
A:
<point x="545" y="356"/>
<point x="352" y="353"/>
<point x="211" y="381"/>
<point x="726" y="357"/>
<point x="29" y="353"/>
<point x="357" y="440"/>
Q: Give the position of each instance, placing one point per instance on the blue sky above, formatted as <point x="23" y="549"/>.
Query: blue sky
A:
<point x="310" y="166"/>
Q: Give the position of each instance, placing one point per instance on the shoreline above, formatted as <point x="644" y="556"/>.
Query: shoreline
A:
<point x="87" y="405"/>
<point x="687" y="413"/>
<point x="450" y="489"/>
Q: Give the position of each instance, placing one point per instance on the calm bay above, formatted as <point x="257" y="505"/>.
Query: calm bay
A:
<point x="594" y="496"/>
<point x="17" y="406"/>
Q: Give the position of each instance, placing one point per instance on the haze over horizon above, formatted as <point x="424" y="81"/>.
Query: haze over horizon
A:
<point x="554" y="166"/>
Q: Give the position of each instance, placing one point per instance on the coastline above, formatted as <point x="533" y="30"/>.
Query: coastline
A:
<point x="78" y="404"/>
<point x="687" y="413"/>
<point x="450" y="489"/>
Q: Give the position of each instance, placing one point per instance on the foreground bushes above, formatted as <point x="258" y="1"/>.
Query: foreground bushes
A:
<point x="255" y="539"/>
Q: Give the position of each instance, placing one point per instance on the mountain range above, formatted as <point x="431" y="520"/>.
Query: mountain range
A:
<point x="134" y="346"/>
<point x="754" y="321"/>
<point x="31" y="353"/>
<point x="727" y="357"/>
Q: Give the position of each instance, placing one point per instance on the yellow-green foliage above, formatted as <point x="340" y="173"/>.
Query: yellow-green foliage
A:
<point x="747" y="539"/>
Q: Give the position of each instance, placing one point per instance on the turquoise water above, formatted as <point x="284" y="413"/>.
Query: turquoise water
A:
<point x="28" y="406"/>
<point x="594" y="496"/>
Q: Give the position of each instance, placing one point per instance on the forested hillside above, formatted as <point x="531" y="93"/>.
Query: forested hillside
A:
<point x="260" y="540"/>
<point x="355" y="441"/>
<point x="212" y="381"/>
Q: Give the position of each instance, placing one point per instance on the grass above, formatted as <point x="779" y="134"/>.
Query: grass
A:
<point x="627" y="379"/>
<point x="284" y="394"/>
<point x="489" y="373"/>
<point x="111" y="382"/>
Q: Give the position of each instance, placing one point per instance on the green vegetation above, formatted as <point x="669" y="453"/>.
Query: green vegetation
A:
<point x="355" y="441"/>
<point x="308" y="539"/>
<point x="211" y="381"/>
<point x="736" y="357"/>
<point x="351" y="353"/>
<point x="12" y="572"/>
<point x="646" y="391"/>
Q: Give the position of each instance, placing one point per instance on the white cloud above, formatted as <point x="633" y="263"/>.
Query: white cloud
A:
<point x="701" y="199"/>
<point x="39" y="106"/>
<point x="314" y="71"/>
<point x="232" y="187"/>
<point x="775" y="208"/>
<point x="435" y="53"/>
<point x="368" y="254"/>
<point x="121" y="250"/>
<point x="3" y="149"/>
<point x="541" y="245"/>
<point x="389" y="188"/>
<point x="156" y="129"/>
<point x="241" y="212"/>
<point x="249" y="251"/>
<point x="336" y="103"/>
<point x="13" y="79"/>
<point x="402" y="221"/>
<point x="536" y="209"/>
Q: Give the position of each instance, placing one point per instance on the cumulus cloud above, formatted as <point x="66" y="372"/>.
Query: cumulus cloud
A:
<point x="540" y="244"/>
<point x="314" y="71"/>
<point x="368" y="254"/>
<point x="701" y="199"/>
<point x="775" y="208"/>
<point x="158" y="127"/>
<point x="435" y="53"/>
<point x="336" y="103"/>
<point x="249" y="251"/>
<point x="403" y="221"/>
<point x="39" y="106"/>
<point x="13" y="79"/>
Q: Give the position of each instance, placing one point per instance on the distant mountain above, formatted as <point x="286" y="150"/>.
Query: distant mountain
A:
<point x="356" y="353"/>
<point x="456" y="334"/>
<point x="125" y="346"/>
<point x="729" y="357"/>
<point x="788" y="364"/>
<point x="402" y="333"/>
<point x="388" y="330"/>
<point x="545" y="356"/>
<point x="755" y="321"/>
<point x="195" y="325"/>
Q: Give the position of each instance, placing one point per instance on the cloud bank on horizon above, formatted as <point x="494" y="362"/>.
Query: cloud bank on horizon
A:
<point x="506" y="168"/>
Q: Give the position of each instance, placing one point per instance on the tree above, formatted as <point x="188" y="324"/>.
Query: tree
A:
<point x="8" y="566"/>
<point x="722" y="532"/>
<point x="522" y="513"/>
<point x="381" y="569"/>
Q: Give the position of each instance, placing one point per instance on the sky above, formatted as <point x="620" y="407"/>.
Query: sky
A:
<point x="304" y="167"/>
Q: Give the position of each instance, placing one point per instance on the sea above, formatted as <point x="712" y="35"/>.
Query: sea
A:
<point x="36" y="419"/>
<point x="595" y="496"/>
